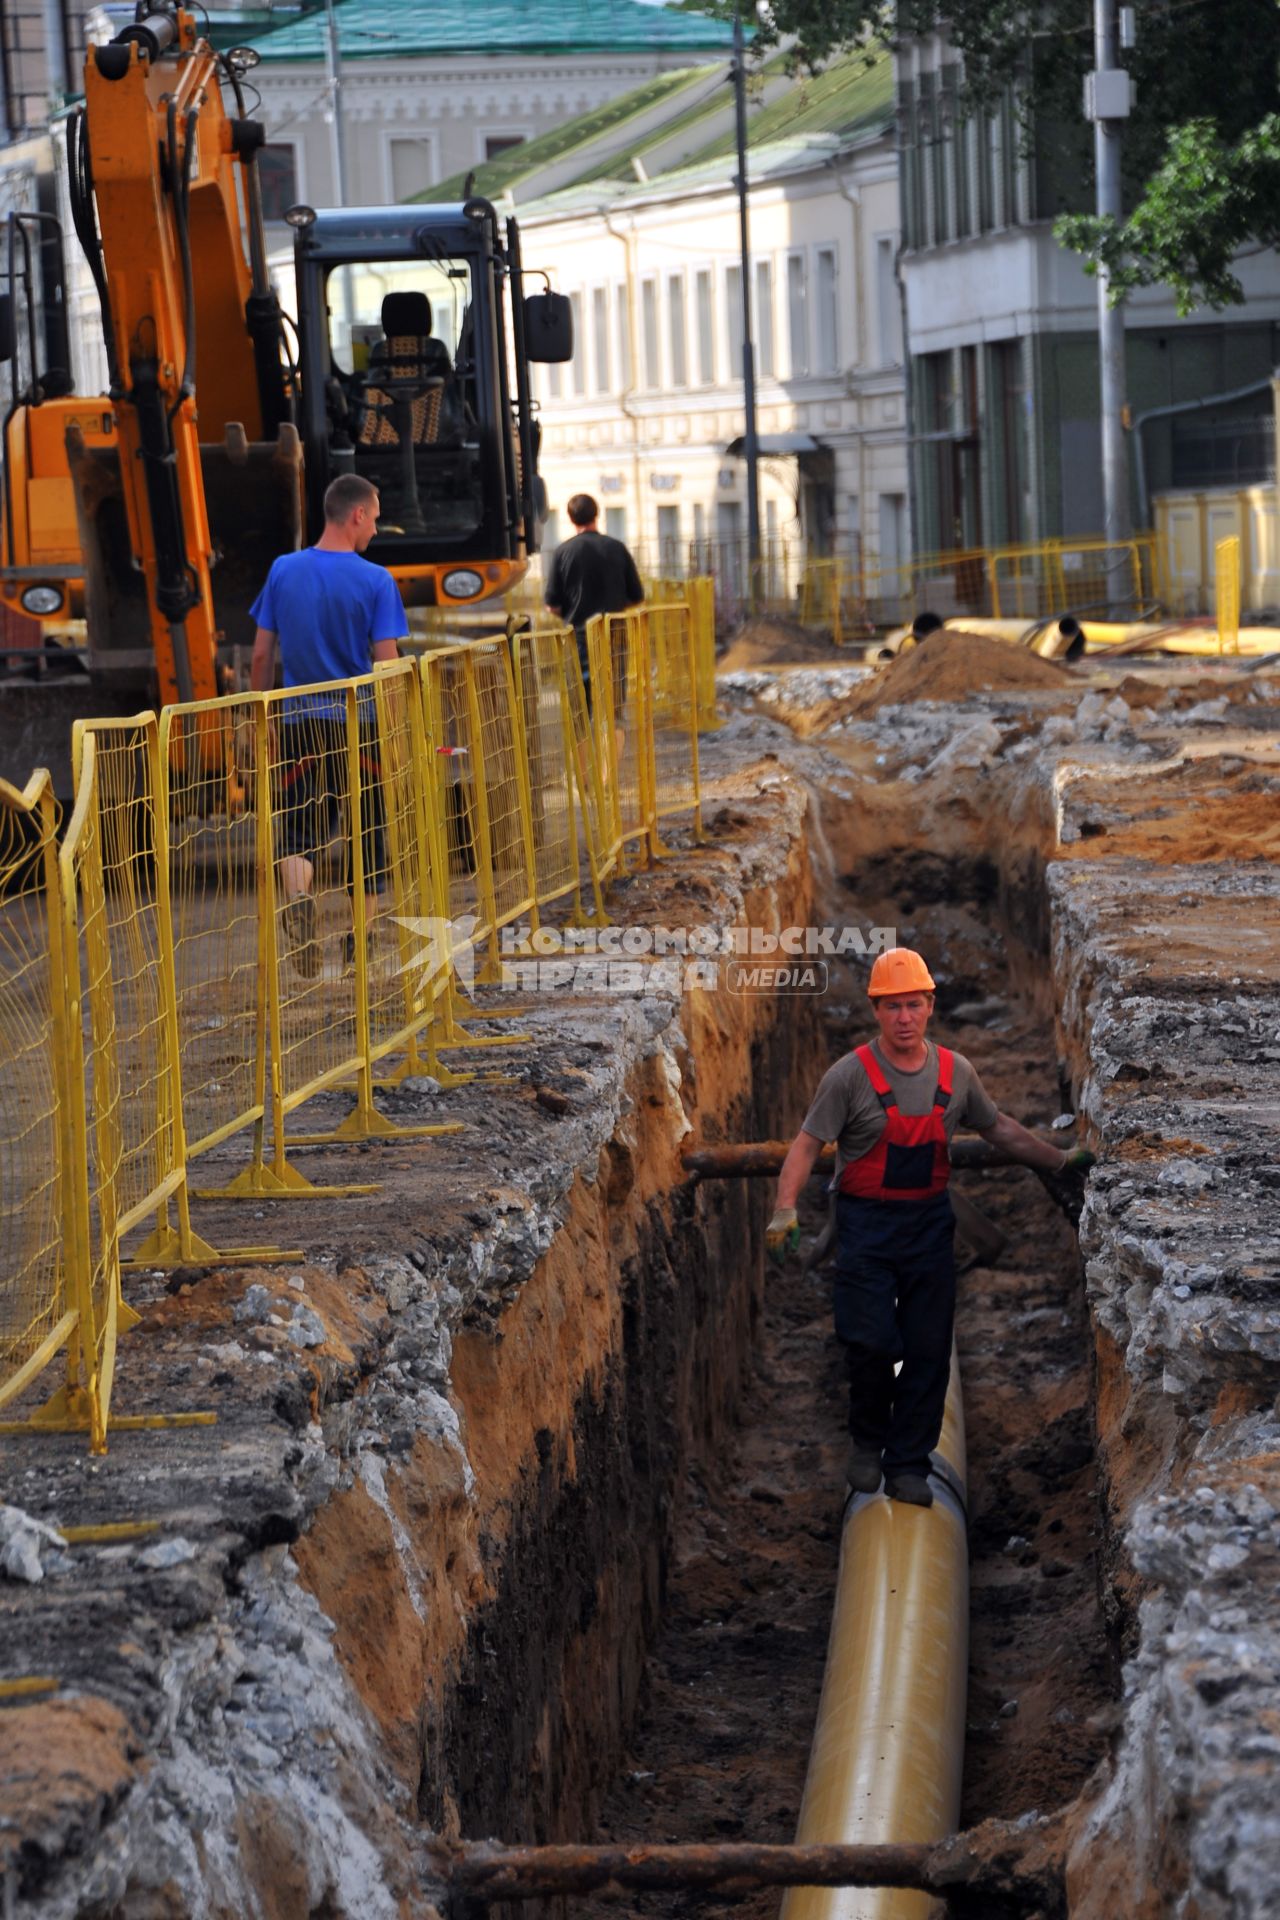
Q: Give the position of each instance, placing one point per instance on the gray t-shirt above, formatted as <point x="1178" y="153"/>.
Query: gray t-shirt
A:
<point x="846" y="1107"/>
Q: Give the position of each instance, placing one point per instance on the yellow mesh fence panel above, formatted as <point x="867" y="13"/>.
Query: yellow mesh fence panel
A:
<point x="213" y="759"/>
<point x="315" y="736"/>
<point x="135" y="1084"/>
<point x="1226" y="556"/>
<point x="616" y="696"/>
<point x="700" y="596"/>
<point x="566" y="798"/>
<point x="404" y="980"/>
<point x="35" y="1299"/>
<point x="543" y="712"/>
<point x="497" y="756"/>
<point x="603" y="842"/>
<point x="460" y="804"/>
<point x="673" y="711"/>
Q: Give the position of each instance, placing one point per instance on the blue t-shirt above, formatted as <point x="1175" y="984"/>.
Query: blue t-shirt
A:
<point x="327" y="610"/>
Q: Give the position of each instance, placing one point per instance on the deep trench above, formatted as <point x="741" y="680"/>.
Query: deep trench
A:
<point x="738" y="1608"/>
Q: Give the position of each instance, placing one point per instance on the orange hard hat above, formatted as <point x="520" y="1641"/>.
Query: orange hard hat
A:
<point x="899" y="970"/>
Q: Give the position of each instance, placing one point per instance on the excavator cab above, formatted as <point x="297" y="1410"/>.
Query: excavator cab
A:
<point x="415" y="345"/>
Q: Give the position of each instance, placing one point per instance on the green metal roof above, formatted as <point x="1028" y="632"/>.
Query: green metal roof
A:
<point x="853" y="95"/>
<point x="412" y="29"/>
<point x="496" y="176"/>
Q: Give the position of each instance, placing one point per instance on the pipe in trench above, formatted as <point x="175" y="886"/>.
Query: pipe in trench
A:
<point x="888" y="1747"/>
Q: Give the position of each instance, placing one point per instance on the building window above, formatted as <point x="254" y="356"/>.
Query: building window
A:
<point x="679" y="367"/>
<point x="622" y="313"/>
<point x="551" y="533"/>
<point x="496" y="143"/>
<point x="764" y="317"/>
<point x="888" y="306"/>
<point x="411" y="166"/>
<point x="703" y="301"/>
<point x="733" y="317"/>
<point x="600" y="337"/>
<point x="958" y="143"/>
<point x="1008" y="163"/>
<point x="827" y="314"/>
<point x="278" y="174"/>
<point x="649" y="333"/>
<point x="579" y="345"/>
<point x="797" y="315"/>
<point x="669" y="540"/>
<point x="554" y="382"/>
<point x="701" y="557"/>
<point x="615" y="522"/>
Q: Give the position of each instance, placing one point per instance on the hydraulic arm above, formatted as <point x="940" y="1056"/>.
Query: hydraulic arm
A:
<point x="155" y="156"/>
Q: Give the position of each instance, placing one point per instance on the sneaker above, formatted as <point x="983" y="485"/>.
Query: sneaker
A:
<point x="349" y="951"/>
<point x="862" y="1472"/>
<point x="300" y="933"/>
<point x="912" y="1488"/>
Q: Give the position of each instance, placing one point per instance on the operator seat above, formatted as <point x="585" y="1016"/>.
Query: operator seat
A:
<point x="409" y="370"/>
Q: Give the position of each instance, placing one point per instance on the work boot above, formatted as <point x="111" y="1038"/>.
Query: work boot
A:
<point x="300" y="933"/>
<point x="863" y="1469"/>
<point x="912" y="1488"/>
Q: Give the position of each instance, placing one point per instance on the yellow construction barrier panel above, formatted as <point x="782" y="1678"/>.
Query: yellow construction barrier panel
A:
<point x="117" y="862"/>
<point x="1226" y="576"/>
<point x="47" y="1270"/>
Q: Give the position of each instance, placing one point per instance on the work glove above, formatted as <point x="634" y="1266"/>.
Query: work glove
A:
<point x="1079" y="1161"/>
<point x="782" y="1235"/>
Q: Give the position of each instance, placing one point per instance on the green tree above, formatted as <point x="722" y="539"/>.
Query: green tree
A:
<point x="1202" y="150"/>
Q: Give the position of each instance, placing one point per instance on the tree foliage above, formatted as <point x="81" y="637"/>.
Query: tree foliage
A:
<point x="1201" y="152"/>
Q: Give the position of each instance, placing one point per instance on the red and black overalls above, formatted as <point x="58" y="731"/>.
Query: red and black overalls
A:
<point x="895" y="1276"/>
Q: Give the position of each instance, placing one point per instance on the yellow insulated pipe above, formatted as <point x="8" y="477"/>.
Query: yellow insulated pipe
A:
<point x="889" y="1744"/>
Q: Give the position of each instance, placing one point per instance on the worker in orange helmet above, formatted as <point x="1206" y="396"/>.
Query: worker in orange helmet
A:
<point x="892" y="1107"/>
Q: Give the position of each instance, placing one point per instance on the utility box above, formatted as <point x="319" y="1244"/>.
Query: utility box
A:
<point x="1108" y="94"/>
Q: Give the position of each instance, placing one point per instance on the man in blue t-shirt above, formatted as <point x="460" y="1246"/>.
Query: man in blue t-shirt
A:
<point x="327" y="613"/>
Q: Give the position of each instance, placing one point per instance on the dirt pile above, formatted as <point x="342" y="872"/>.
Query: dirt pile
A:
<point x="777" y="643"/>
<point x="952" y="664"/>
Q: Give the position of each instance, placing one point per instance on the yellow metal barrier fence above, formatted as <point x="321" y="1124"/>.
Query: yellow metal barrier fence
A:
<point x="673" y="718"/>
<point x="47" y="1293"/>
<point x="117" y="859"/>
<point x="567" y="802"/>
<point x="1226" y="577"/>
<point x="617" y="696"/>
<point x="234" y="926"/>
<point x="347" y="852"/>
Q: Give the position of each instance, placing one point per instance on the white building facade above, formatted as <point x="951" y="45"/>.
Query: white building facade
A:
<point x="649" y="419"/>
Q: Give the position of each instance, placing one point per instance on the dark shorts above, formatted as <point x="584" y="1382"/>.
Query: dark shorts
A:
<point x="310" y="798"/>
<point x="619" y="663"/>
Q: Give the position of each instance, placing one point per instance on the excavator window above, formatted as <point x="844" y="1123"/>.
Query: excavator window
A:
<point x="401" y="392"/>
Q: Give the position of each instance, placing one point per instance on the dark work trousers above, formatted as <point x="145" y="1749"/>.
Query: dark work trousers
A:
<point x="895" y="1300"/>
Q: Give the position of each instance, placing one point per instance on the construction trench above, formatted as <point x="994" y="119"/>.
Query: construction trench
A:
<point x="527" y="1525"/>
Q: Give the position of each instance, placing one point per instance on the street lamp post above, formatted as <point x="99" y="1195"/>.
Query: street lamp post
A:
<point x="750" y="444"/>
<point x="1108" y="97"/>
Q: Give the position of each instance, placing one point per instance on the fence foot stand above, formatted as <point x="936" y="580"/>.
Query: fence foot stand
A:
<point x="364" y="1122"/>
<point x="167" y="1248"/>
<point x="281" y="1182"/>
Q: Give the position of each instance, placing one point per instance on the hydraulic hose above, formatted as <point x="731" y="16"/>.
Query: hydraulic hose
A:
<point x="888" y="1746"/>
<point x="85" y="221"/>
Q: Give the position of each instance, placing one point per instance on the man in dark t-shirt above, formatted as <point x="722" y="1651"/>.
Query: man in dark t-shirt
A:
<point x="591" y="573"/>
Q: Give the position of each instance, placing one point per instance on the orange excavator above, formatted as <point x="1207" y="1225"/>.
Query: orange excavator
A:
<point x="161" y="504"/>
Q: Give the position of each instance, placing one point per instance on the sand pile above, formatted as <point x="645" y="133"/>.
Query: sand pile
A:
<point x="951" y="664"/>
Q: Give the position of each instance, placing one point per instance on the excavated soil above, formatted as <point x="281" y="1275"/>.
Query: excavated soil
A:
<point x="731" y="1688"/>
<point x="950" y="665"/>
<point x="1216" y="808"/>
<point x="776" y="643"/>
